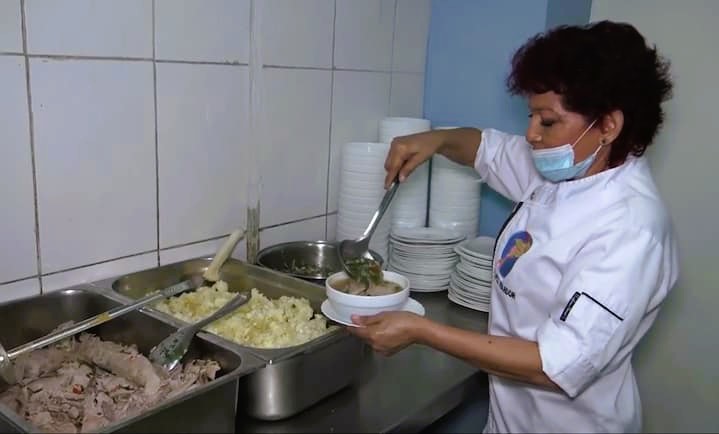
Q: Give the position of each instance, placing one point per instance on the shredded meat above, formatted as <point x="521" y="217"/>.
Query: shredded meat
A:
<point x="86" y="384"/>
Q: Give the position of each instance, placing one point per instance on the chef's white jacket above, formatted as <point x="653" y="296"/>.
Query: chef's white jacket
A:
<point x="581" y="267"/>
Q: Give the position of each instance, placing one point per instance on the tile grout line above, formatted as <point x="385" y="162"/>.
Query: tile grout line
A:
<point x="202" y="62"/>
<point x="300" y="220"/>
<point x="309" y="68"/>
<point x="154" y="60"/>
<point x="87" y="57"/>
<point x="391" y="58"/>
<point x="192" y="243"/>
<point x="31" y="131"/>
<point x="329" y="133"/>
<point x="10" y="282"/>
<point x="363" y="70"/>
<point x="79" y="267"/>
<point x="157" y="151"/>
<point x="255" y="119"/>
<point x="321" y="68"/>
<point x="106" y="261"/>
<point x="402" y="71"/>
<point x="62" y="57"/>
<point x="128" y="59"/>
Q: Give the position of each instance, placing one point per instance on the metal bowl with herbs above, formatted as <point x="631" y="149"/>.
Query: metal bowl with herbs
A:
<point x="309" y="260"/>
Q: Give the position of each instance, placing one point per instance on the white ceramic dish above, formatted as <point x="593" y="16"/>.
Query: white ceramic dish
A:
<point x="411" y="305"/>
<point x="345" y="305"/>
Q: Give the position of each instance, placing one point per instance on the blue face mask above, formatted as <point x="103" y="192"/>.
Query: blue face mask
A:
<point x="557" y="164"/>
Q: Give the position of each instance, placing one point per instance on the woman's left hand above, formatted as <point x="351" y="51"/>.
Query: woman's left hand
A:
<point x="387" y="332"/>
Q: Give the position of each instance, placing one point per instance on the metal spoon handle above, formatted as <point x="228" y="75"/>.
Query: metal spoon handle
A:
<point x="97" y="320"/>
<point x="383" y="206"/>
<point x="230" y="306"/>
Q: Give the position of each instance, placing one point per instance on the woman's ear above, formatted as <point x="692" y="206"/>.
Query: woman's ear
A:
<point x="612" y="124"/>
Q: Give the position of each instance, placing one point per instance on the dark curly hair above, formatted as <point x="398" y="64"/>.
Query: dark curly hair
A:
<point x="598" y="68"/>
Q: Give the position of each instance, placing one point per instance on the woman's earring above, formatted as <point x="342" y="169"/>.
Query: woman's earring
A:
<point x="602" y="141"/>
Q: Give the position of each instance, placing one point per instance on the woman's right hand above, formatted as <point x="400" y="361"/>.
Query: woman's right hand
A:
<point x="406" y="153"/>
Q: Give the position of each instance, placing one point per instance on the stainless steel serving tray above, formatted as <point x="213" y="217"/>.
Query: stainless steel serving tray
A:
<point x="294" y="378"/>
<point x="207" y="408"/>
<point x="240" y="277"/>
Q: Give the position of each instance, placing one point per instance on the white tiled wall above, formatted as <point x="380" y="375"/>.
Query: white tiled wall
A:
<point x="363" y="34"/>
<point x="10" y="32"/>
<point x="311" y="229"/>
<point x="127" y="149"/>
<point x="294" y="158"/>
<point x="94" y="151"/>
<point x="410" y="36"/>
<point x="201" y="124"/>
<point x="407" y="94"/>
<point x="20" y="289"/>
<point x="202" y="30"/>
<point x="52" y="282"/>
<point x="198" y="249"/>
<point x="89" y="28"/>
<point x="18" y="256"/>
<point x="361" y="100"/>
<point x="298" y="33"/>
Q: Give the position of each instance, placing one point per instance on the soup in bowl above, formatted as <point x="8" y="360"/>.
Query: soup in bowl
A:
<point x="349" y="297"/>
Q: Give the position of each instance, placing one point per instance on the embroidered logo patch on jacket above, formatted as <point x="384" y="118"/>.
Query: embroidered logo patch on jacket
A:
<point x="517" y="245"/>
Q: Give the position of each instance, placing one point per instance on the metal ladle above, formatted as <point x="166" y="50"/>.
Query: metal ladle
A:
<point x="7" y="369"/>
<point x="173" y="348"/>
<point x="359" y="248"/>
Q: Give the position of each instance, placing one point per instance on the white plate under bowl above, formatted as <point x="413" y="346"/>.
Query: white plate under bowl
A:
<point x="411" y="305"/>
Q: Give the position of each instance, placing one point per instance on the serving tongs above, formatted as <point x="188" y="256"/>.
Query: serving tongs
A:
<point x="211" y="275"/>
<point x="7" y="368"/>
<point x="169" y="353"/>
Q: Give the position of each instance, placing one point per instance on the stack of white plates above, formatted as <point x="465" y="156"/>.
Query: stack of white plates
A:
<point x="361" y="189"/>
<point x="426" y="256"/>
<point x="454" y="197"/>
<point x="389" y="128"/>
<point x="471" y="282"/>
<point x="409" y="207"/>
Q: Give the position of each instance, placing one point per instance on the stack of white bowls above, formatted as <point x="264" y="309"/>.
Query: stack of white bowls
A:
<point x="361" y="189"/>
<point x="454" y="197"/>
<point x="389" y="128"/>
<point x="409" y="207"/>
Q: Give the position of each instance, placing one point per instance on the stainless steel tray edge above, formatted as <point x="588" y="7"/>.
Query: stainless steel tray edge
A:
<point x="254" y="362"/>
<point x="271" y="356"/>
<point x="283" y="387"/>
<point x="220" y="386"/>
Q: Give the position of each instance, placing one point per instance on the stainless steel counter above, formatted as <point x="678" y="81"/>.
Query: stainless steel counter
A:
<point x="402" y="393"/>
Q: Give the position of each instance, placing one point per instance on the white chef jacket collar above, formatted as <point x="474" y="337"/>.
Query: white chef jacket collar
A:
<point x="549" y="192"/>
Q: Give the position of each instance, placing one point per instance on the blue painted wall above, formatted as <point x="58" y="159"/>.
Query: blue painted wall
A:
<point x="568" y="12"/>
<point x="470" y="46"/>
